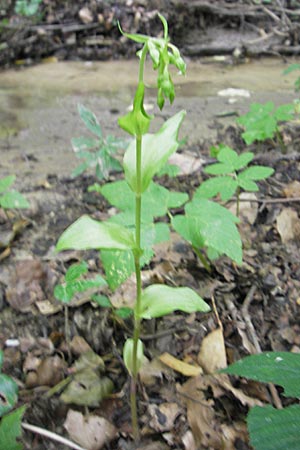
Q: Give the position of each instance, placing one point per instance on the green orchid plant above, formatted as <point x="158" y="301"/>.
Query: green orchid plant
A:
<point x="127" y="241"/>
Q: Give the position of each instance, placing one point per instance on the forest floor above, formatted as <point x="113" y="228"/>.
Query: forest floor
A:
<point x="255" y="306"/>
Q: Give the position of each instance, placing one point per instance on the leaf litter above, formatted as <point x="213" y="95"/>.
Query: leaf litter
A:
<point x="183" y="403"/>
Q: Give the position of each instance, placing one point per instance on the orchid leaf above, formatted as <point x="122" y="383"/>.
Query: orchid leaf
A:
<point x="86" y="233"/>
<point x="156" y="150"/>
<point x="159" y="300"/>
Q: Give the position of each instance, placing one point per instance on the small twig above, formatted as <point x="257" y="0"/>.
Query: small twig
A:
<point x="51" y="435"/>
<point x="269" y="200"/>
<point x="252" y="332"/>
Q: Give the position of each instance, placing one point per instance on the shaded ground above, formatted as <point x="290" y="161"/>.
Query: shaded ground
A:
<point x="176" y="410"/>
<point x="263" y="291"/>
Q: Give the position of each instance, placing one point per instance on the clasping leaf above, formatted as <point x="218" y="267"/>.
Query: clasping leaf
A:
<point x="137" y="121"/>
<point x="86" y="233"/>
<point x="159" y="300"/>
<point x="156" y="150"/>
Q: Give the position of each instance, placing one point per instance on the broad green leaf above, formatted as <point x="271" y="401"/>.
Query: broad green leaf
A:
<point x="13" y="199"/>
<point x="156" y="150"/>
<point x="8" y="394"/>
<point x="10" y="430"/>
<point x="280" y="368"/>
<point x="248" y="185"/>
<point x="90" y="120"/>
<point x="256" y="173"/>
<point x="243" y="160"/>
<point x="6" y="182"/>
<point x="65" y="292"/>
<point x="291" y="68"/>
<point x="86" y="233"/>
<point x="219" y="169"/>
<point x="119" y="266"/>
<point x="284" y="112"/>
<point x="102" y="300"/>
<point x="159" y="300"/>
<point x="137" y="121"/>
<point x="228" y="156"/>
<point x="274" y="429"/>
<point x="207" y="224"/>
<point x="226" y="186"/>
<point x="75" y="271"/>
<point x="128" y="355"/>
<point x="124" y="312"/>
<point x="156" y="200"/>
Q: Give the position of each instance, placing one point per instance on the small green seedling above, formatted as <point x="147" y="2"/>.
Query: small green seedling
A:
<point x="132" y="235"/>
<point x="231" y="174"/>
<point x="27" y="8"/>
<point x="98" y="152"/>
<point x="263" y="120"/>
<point x="271" y="428"/>
<point x="209" y="227"/>
<point x="292" y="68"/>
<point x="73" y="284"/>
<point x="10" y="424"/>
<point x="10" y="198"/>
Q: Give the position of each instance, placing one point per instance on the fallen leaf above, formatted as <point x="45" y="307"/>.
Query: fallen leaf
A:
<point x="163" y="416"/>
<point x="212" y="355"/>
<point x="151" y="371"/>
<point x="187" y="164"/>
<point x="248" y="210"/>
<point x="288" y="225"/>
<point x="79" y="345"/>
<point x="85" y="15"/>
<point x="87" y="388"/>
<point x="292" y="190"/>
<point x="91" y="432"/>
<point x="184" y="368"/>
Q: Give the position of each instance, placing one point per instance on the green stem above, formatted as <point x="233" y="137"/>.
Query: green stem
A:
<point x="137" y="257"/>
<point x="238" y="193"/>
<point x="280" y="140"/>
<point x="203" y="259"/>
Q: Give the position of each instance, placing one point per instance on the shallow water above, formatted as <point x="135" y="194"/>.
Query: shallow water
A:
<point x="38" y="105"/>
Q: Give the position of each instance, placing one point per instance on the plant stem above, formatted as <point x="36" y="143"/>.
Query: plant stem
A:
<point x="137" y="307"/>
<point x="202" y="259"/>
<point x="238" y="192"/>
<point x="280" y="140"/>
<point x="137" y="257"/>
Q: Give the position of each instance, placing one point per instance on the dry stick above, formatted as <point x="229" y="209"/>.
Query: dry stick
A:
<point x="51" y="435"/>
<point x="270" y="200"/>
<point x="252" y="332"/>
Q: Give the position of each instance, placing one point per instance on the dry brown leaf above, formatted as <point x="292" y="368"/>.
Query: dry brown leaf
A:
<point x="200" y="413"/>
<point x="199" y="394"/>
<point x="212" y="355"/>
<point x="91" y="432"/>
<point x="187" y="163"/>
<point x="248" y="209"/>
<point x="292" y="189"/>
<point x="44" y="372"/>
<point x="288" y="225"/>
<point x="163" y="416"/>
<point x="153" y="370"/>
<point x="85" y="15"/>
<point x="79" y="346"/>
<point x="184" y="368"/>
